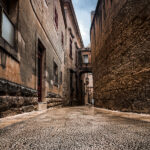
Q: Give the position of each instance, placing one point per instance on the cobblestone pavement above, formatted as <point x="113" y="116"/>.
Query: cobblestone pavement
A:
<point x="77" y="128"/>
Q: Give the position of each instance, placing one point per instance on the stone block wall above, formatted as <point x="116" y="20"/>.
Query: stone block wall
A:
<point x="33" y="21"/>
<point x="15" y="98"/>
<point x="74" y="42"/>
<point x="120" y="43"/>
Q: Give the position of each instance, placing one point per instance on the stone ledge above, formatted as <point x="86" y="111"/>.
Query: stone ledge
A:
<point x="52" y="95"/>
<point x="14" y="89"/>
<point x="17" y="104"/>
<point x="15" y="111"/>
<point x="53" y="100"/>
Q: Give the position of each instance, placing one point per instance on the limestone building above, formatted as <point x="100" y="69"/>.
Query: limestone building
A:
<point x="38" y="39"/>
<point x="120" y="34"/>
<point x="73" y="43"/>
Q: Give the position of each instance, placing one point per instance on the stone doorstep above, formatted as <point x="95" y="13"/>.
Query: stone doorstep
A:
<point x="42" y="106"/>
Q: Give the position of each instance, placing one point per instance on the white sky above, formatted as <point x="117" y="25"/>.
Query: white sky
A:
<point x="83" y="10"/>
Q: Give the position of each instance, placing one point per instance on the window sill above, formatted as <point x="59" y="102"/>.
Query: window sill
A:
<point x="8" y="49"/>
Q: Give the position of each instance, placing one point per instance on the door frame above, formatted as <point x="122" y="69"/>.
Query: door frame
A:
<point x="41" y="66"/>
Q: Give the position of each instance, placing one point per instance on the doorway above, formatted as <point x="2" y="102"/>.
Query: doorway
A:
<point x="40" y="70"/>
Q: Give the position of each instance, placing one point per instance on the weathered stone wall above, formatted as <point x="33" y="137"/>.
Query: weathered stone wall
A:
<point x="120" y="42"/>
<point x="33" y="21"/>
<point x="46" y="31"/>
<point x="15" y="98"/>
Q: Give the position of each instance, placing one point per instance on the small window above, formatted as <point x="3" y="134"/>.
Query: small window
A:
<point x="70" y="48"/>
<point x="55" y="74"/>
<point x="85" y="59"/>
<point x="2" y="59"/>
<point x="62" y="39"/>
<point x="8" y="31"/>
<point x="56" y="18"/>
<point x="76" y="54"/>
<point x="76" y="58"/>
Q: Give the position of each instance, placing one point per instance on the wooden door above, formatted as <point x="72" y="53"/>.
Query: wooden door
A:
<point x="40" y="75"/>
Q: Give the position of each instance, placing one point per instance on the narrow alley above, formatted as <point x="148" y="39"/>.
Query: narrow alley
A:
<point x="74" y="74"/>
<point x="76" y="128"/>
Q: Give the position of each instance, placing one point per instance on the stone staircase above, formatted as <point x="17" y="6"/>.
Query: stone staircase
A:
<point x="53" y="102"/>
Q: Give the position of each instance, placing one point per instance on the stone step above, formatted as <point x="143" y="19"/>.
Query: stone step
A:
<point x="54" y="100"/>
<point x="54" y="104"/>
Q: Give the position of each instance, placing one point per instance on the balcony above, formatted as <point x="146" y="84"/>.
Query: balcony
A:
<point x="84" y="61"/>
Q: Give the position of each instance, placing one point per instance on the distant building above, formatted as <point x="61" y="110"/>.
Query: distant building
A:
<point x="85" y="85"/>
<point x="73" y="43"/>
<point x="92" y="15"/>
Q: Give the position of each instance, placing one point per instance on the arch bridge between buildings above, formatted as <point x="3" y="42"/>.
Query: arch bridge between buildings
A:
<point x="84" y="69"/>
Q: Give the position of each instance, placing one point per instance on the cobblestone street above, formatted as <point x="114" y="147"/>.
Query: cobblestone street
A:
<point x="76" y="128"/>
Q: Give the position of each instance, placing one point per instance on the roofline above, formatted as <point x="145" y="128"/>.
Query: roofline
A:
<point x="96" y="10"/>
<point x="75" y="20"/>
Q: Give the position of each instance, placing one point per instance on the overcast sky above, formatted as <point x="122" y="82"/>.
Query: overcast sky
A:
<point x="83" y="10"/>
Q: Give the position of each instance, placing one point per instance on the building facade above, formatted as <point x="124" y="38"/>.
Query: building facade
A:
<point x="34" y="42"/>
<point x="73" y="43"/>
<point x="120" y="34"/>
<point x="85" y="77"/>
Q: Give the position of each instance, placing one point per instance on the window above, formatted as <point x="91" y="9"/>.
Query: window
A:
<point x="56" y="18"/>
<point x="8" y="31"/>
<point x="62" y="39"/>
<point x="55" y="74"/>
<point x="70" y="48"/>
<point x="60" y="77"/>
<point x="85" y="59"/>
<point x="76" y="54"/>
<point x="76" y="59"/>
<point x="2" y="59"/>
